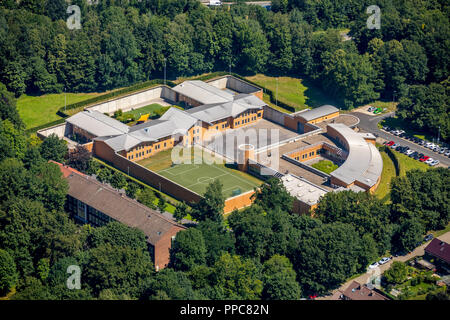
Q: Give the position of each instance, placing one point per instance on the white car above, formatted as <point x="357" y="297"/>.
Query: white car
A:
<point x="429" y="161"/>
<point x="409" y="152"/>
<point x="435" y="162"/>
<point x="447" y="153"/>
<point x="384" y="260"/>
<point x="373" y="265"/>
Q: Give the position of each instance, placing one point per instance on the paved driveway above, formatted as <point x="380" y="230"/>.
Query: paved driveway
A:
<point x="370" y="124"/>
<point x="419" y="251"/>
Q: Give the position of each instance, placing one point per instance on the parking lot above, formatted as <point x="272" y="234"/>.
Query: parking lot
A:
<point x="421" y="150"/>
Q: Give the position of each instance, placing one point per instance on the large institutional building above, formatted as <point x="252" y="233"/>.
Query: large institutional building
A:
<point x="202" y="112"/>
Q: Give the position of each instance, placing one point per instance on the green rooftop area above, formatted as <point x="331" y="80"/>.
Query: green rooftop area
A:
<point x="197" y="174"/>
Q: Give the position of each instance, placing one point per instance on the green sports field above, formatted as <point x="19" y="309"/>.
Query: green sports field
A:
<point x="197" y="175"/>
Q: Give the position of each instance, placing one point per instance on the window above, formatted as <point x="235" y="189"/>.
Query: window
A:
<point x="164" y="144"/>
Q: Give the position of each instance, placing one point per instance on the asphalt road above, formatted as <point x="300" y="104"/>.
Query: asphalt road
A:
<point x="370" y="124"/>
<point x="419" y="251"/>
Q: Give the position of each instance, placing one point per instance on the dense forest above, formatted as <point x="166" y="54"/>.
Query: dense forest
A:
<point x="262" y="252"/>
<point x="124" y="42"/>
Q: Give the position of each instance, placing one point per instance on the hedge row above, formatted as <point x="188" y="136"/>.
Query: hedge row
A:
<point x="269" y="92"/>
<point x="114" y="94"/>
<point x="394" y="159"/>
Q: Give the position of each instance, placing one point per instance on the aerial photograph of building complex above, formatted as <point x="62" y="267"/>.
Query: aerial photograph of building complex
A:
<point x="207" y="152"/>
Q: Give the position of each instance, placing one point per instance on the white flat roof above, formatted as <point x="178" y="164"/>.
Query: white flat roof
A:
<point x="97" y="123"/>
<point x="302" y="189"/>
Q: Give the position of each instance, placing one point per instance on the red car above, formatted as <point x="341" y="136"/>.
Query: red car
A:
<point x="424" y="158"/>
<point x="390" y="143"/>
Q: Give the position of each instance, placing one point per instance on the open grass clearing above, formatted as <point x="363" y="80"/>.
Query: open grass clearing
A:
<point x="384" y="188"/>
<point x="39" y="110"/>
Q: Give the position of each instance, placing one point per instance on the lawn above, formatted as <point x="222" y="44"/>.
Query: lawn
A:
<point x="383" y="190"/>
<point x="407" y="163"/>
<point x="39" y="110"/>
<point x="296" y="92"/>
<point x="325" y="166"/>
<point x="197" y="175"/>
<point x="144" y="110"/>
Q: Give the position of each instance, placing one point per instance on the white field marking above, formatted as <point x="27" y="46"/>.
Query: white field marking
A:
<point x="233" y="187"/>
<point x="203" y="182"/>
<point x="239" y="178"/>
<point x="182" y="172"/>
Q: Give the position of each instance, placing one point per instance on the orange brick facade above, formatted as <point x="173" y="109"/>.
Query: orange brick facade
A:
<point x="238" y="202"/>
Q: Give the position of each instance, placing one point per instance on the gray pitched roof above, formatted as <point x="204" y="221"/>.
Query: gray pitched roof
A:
<point x="364" y="162"/>
<point x="172" y="122"/>
<point x="203" y="92"/>
<point x="97" y="123"/>
<point x="318" y="112"/>
<point x="218" y="111"/>
<point x="120" y="207"/>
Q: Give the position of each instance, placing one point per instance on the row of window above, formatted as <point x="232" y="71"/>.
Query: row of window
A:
<point x="306" y="155"/>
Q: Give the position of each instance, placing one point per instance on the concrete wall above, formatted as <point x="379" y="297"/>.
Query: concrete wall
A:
<point x="61" y="130"/>
<point x="234" y="84"/>
<point x="274" y="115"/>
<point x="238" y="202"/>
<point x="134" y="99"/>
<point x="137" y="171"/>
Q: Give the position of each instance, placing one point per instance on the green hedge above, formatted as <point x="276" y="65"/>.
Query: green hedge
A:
<point x="114" y="94"/>
<point x="269" y="92"/>
<point x="393" y="157"/>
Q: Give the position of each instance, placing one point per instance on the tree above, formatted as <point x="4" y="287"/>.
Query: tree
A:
<point x="237" y="278"/>
<point x="117" y="234"/>
<point x="218" y="240"/>
<point x="365" y="212"/>
<point x="13" y="142"/>
<point x="279" y="280"/>
<point x="54" y="148"/>
<point x="397" y="273"/>
<point x="170" y="284"/>
<point x="147" y="197"/>
<point x="118" y="181"/>
<point x="162" y="204"/>
<point x="122" y="269"/>
<point x="181" y="211"/>
<point x="8" y="272"/>
<point x="408" y="236"/>
<point x="211" y="205"/>
<point x="132" y="189"/>
<point x="327" y="255"/>
<point x="252" y="231"/>
<point x="273" y="195"/>
<point x="8" y="110"/>
<point x="188" y="250"/>
<point x="80" y="158"/>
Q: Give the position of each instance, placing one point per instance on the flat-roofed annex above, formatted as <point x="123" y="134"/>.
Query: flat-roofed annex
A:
<point x="203" y="92"/>
<point x="303" y="190"/>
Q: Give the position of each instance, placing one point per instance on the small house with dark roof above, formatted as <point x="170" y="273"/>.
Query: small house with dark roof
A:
<point x="90" y="201"/>
<point x="357" y="291"/>
<point x="439" y="251"/>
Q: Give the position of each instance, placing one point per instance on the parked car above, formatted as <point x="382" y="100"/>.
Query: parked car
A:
<point x="409" y="152"/>
<point x="424" y="158"/>
<point x="374" y="265"/>
<point x="429" y="160"/>
<point x="422" y="142"/>
<point x="413" y="154"/>
<point x="447" y="153"/>
<point x="443" y="150"/>
<point x="434" y="163"/>
<point x="390" y="143"/>
<point x="436" y="149"/>
<point x="419" y="156"/>
<point x="428" y="237"/>
<point x="394" y="146"/>
<point x="384" y="260"/>
<point x="371" y="109"/>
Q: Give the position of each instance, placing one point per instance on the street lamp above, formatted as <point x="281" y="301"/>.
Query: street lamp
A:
<point x="65" y="99"/>
<point x="276" y="95"/>
<point x="165" y="60"/>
